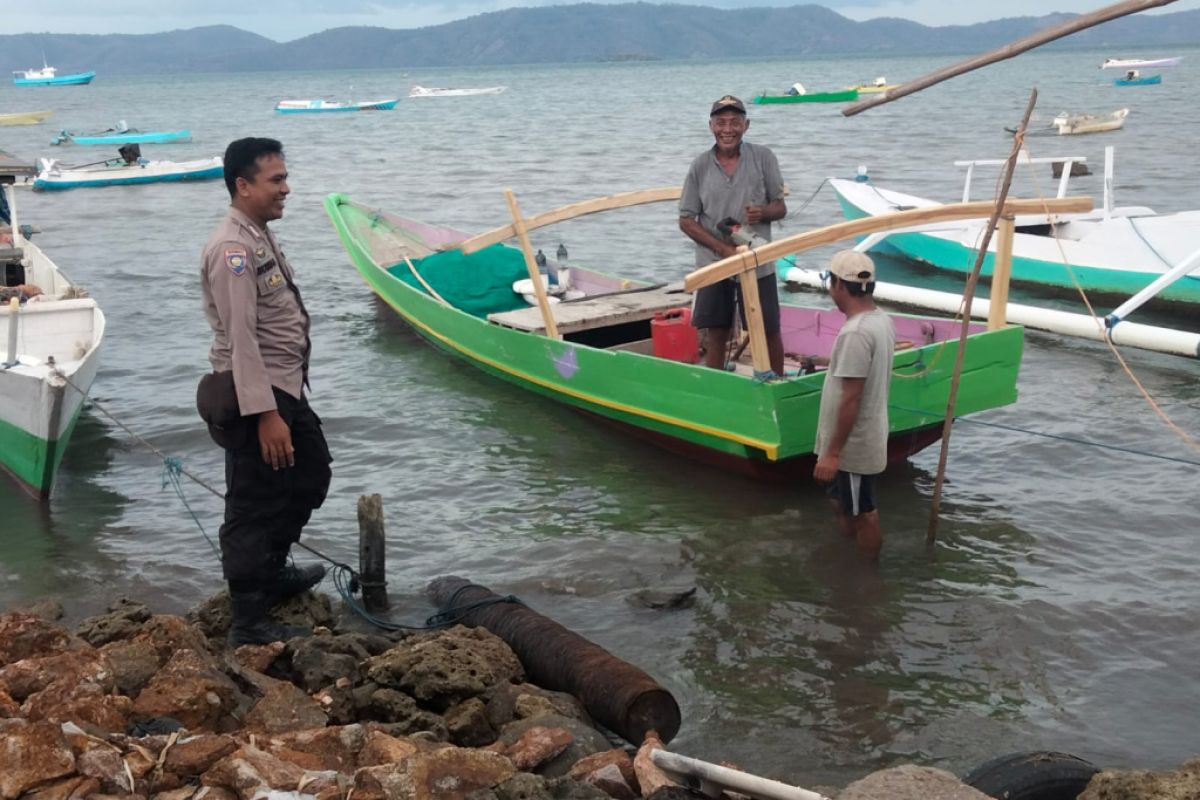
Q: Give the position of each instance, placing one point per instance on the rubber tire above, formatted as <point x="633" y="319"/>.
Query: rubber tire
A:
<point x="1034" y="775"/>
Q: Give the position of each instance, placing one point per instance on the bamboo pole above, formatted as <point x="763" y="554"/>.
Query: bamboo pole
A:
<point x="1001" y="275"/>
<point x="742" y="261"/>
<point x="968" y="296"/>
<point x="752" y="305"/>
<point x="570" y="211"/>
<point x="1082" y="22"/>
<point x="539" y="288"/>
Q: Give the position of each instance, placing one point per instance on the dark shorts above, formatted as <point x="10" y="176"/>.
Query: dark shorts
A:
<point x="854" y="493"/>
<point x="712" y="306"/>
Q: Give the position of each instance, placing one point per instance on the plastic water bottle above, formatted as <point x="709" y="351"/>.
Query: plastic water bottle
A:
<point x="564" y="273"/>
<point x="861" y="177"/>
<point x="540" y="259"/>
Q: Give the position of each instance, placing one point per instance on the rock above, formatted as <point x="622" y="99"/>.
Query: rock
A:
<point x="285" y="707"/>
<point x="1139" y="784"/>
<point x="190" y="689"/>
<point x="610" y="780"/>
<point x="507" y="702"/>
<point x="210" y="793"/>
<point x="258" y="657"/>
<point x="467" y="723"/>
<point x="107" y="766"/>
<point x="9" y="708"/>
<point x="24" y="678"/>
<point x="334" y="748"/>
<point x="663" y="599"/>
<point x="383" y="749"/>
<point x="84" y="703"/>
<point x="537" y="745"/>
<point x="309" y="609"/>
<point x="910" y="782"/>
<point x="650" y="778"/>
<point x="123" y="620"/>
<point x="389" y="705"/>
<point x="249" y="771"/>
<point x="182" y="793"/>
<point x="171" y="634"/>
<point x="32" y="753"/>
<point x="585" y="741"/>
<point x="65" y="789"/>
<point x="338" y="704"/>
<point x="195" y="755"/>
<point x="450" y="773"/>
<point x="447" y="667"/>
<point x="320" y="661"/>
<point x="27" y="636"/>
<point x="48" y="610"/>
<point x="133" y="664"/>
<point x="565" y="788"/>
<point x="523" y="786"/>
<point x="618" y="758"/>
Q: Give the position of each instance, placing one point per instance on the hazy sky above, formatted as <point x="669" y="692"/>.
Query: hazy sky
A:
<point x="283" y="20"/>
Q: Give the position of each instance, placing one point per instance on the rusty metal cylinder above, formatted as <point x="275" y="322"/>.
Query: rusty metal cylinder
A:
<point x="617" y="694"/>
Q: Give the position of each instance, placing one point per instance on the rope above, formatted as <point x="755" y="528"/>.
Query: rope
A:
<point x="346" y="580"/>
<point x="806" y="203"/>
<point x="1055" y="436"/>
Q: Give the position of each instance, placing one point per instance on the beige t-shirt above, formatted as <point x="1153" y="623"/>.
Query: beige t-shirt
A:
<point x="863" y="349"/>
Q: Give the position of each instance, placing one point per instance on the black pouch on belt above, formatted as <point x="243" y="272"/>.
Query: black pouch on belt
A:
<point x="216" y="400"/>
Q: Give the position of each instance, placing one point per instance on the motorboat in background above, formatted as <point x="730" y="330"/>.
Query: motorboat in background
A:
<point x="1140" y="63"/>
<point x="121" y="133"/>
<point x="48" y="76"/>
<point x="118" y="172"/>
<point x="435" y="91"/>
<point x="316" y="106"/>
<point x="24" y="117"/>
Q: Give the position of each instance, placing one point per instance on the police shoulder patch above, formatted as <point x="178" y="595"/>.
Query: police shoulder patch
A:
<point x="235" y="259"/>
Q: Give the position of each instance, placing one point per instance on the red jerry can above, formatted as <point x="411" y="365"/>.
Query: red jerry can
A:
<point x="673" y="336"/>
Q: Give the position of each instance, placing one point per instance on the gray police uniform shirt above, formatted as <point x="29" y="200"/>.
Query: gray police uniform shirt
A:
<point x="864" y="349"/>
<point x="710" y="195"/>
<point x="259" y="323"/>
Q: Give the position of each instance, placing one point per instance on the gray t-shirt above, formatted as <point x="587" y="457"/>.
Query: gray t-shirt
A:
<point x="710" y="195"/>
<point x="863" y="349"/>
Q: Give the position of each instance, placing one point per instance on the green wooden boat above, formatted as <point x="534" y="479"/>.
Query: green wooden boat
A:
<point x="842" y="96"/>
<point x="605" y="363"/>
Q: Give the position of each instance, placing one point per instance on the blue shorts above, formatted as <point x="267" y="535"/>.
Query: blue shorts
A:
<point x="712" y="307"/>
<point x="854" y="493"/>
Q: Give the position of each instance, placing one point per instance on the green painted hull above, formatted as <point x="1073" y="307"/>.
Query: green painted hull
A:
<point x="813" y="97"/>
<point x="954" y="257"/>
<point x="719" y="416"/>
<point x="32" y="460"/>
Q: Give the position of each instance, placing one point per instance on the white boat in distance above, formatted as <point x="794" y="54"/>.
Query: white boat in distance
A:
<point x="118" y="172"/>
<point x="44" y="343"/>
<point x="1140" y="63"/>
<point x="24" y="117"/>
<point x="1072" y="124"/>
<point x="426" y="91"/>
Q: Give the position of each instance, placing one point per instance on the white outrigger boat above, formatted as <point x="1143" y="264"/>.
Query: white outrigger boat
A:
<point x="1140" y="63"/>
<point x="318" y="106"/>
<point x="1073" y="124"/>
<point x="52" y="175"/>
<point x="435" y="91"/>
<point x="51" y="346"/>
<point x="23" y="117"/>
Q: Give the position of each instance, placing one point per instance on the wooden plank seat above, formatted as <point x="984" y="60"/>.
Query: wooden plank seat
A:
<point x="599" y="311"/>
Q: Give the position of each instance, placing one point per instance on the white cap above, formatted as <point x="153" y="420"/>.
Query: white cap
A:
<point x="853" y="266"/>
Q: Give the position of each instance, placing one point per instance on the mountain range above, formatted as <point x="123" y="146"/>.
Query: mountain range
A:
<point x="586" y="32"/>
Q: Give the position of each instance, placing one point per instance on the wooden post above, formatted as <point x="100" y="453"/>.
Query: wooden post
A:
<point x="968" y="296"/>
<point x="752" y="305"/>
<point x="1001" y="275"/>
<point x="371" y="545"/>
<point x="538" y="288"/>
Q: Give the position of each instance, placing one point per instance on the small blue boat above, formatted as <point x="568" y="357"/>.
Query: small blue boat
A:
<point x="122" y="134"/>
<point x="311" y="106"/>
<point x="1132" y="78"/>
<point x="48" y="76"/>
<point x="118" y="172"/>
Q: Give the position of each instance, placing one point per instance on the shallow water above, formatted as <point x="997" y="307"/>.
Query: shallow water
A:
<point x="1057" y="610"/>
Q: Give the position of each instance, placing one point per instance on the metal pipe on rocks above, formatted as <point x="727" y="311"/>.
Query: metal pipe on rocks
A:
<point x="618" y="695"/>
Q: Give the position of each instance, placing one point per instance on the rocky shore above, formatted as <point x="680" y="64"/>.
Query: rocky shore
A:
<point x="137" y="704"/>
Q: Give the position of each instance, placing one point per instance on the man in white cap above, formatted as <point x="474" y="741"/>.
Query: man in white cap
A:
<point x="852" y="428"/>
<point x="741" y="181"/>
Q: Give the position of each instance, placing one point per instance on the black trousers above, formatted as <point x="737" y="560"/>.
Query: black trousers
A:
<point x="265" y="509"/>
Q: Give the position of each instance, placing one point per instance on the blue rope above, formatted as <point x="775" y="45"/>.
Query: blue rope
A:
<point x="172" y="469"/>
<point x="1056" y="436"/>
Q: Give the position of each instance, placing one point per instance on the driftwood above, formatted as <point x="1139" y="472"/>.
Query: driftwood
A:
<point x="1082" y="22"/>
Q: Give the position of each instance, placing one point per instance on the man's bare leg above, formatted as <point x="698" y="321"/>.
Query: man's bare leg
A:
<point x="868" y="535"/>
<point x="717" y="343"/>
<point x="775" y="352"/>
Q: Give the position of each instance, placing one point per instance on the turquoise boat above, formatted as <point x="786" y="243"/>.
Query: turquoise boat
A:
<point x="620" y="357"/>
<point x="1113" y="252"/>
<point x="117" y="172"/>
<point x="120" y="135"/>
<point x="48" y="76"/>
<point x="1133" y="79"/>
<point x="326" y="106"/>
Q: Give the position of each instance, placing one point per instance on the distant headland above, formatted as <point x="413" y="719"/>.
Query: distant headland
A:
<point x="586" y="32"/>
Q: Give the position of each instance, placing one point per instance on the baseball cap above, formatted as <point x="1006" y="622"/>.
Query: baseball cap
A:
<point x="728" y="103"/>
<point x="853" y="266"/>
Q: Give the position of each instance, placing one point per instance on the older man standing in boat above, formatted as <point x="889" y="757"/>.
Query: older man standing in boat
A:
<point x="739" y="180"/>
<point x="852" y="425"/>
<point x="276" y="460"/>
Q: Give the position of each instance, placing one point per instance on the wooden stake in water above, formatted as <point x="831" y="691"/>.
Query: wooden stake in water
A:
<point x="968" y="297"/>
<point x="372" y="570"/>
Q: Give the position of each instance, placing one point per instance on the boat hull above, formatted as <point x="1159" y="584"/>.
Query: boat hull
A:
<point x="153" y="172"/>
<point x="812" y="97"/>
<point x="77" y="79"/>
<point x="1101" y="266"/>
<point x="24" y="117"/>
<point x="323" y="107"/>
<point x="1149" y="80"/>
<point x="148" y="137"/>
<point x="42" y="395"/>
<point x="719" y="417"/>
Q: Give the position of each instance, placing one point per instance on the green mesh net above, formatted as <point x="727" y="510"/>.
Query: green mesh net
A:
<point x="478" y="284"/>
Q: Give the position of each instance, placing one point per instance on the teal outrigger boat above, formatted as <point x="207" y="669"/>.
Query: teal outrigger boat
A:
<point x="122" y="135"/>
<point x="843" y="96"/>
<point x="459" y="295"/>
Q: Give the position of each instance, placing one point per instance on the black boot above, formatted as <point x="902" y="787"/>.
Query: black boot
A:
<point x="250" y="623"/>
<point x="291" y="580"/>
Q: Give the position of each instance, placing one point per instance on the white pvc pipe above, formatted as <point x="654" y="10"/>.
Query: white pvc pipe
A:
<point x="12" y="213"/>
<point x="1131" y="334"/>
<point x="1138" y="300"/>
<point x="697" y="773"/>
<point x="14" y="310"/>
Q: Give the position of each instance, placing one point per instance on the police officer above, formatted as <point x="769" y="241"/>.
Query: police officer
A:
<point x="276" y="460"/>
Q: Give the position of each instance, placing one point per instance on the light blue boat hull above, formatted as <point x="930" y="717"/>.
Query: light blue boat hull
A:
<point x="386" y="106"/>
<point x="130" y="180"/>
<point x="141" y="137"/>
<point x="952" y="256"/>
<point x="78" y="79"/>
<point x="1149" y="80"/>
